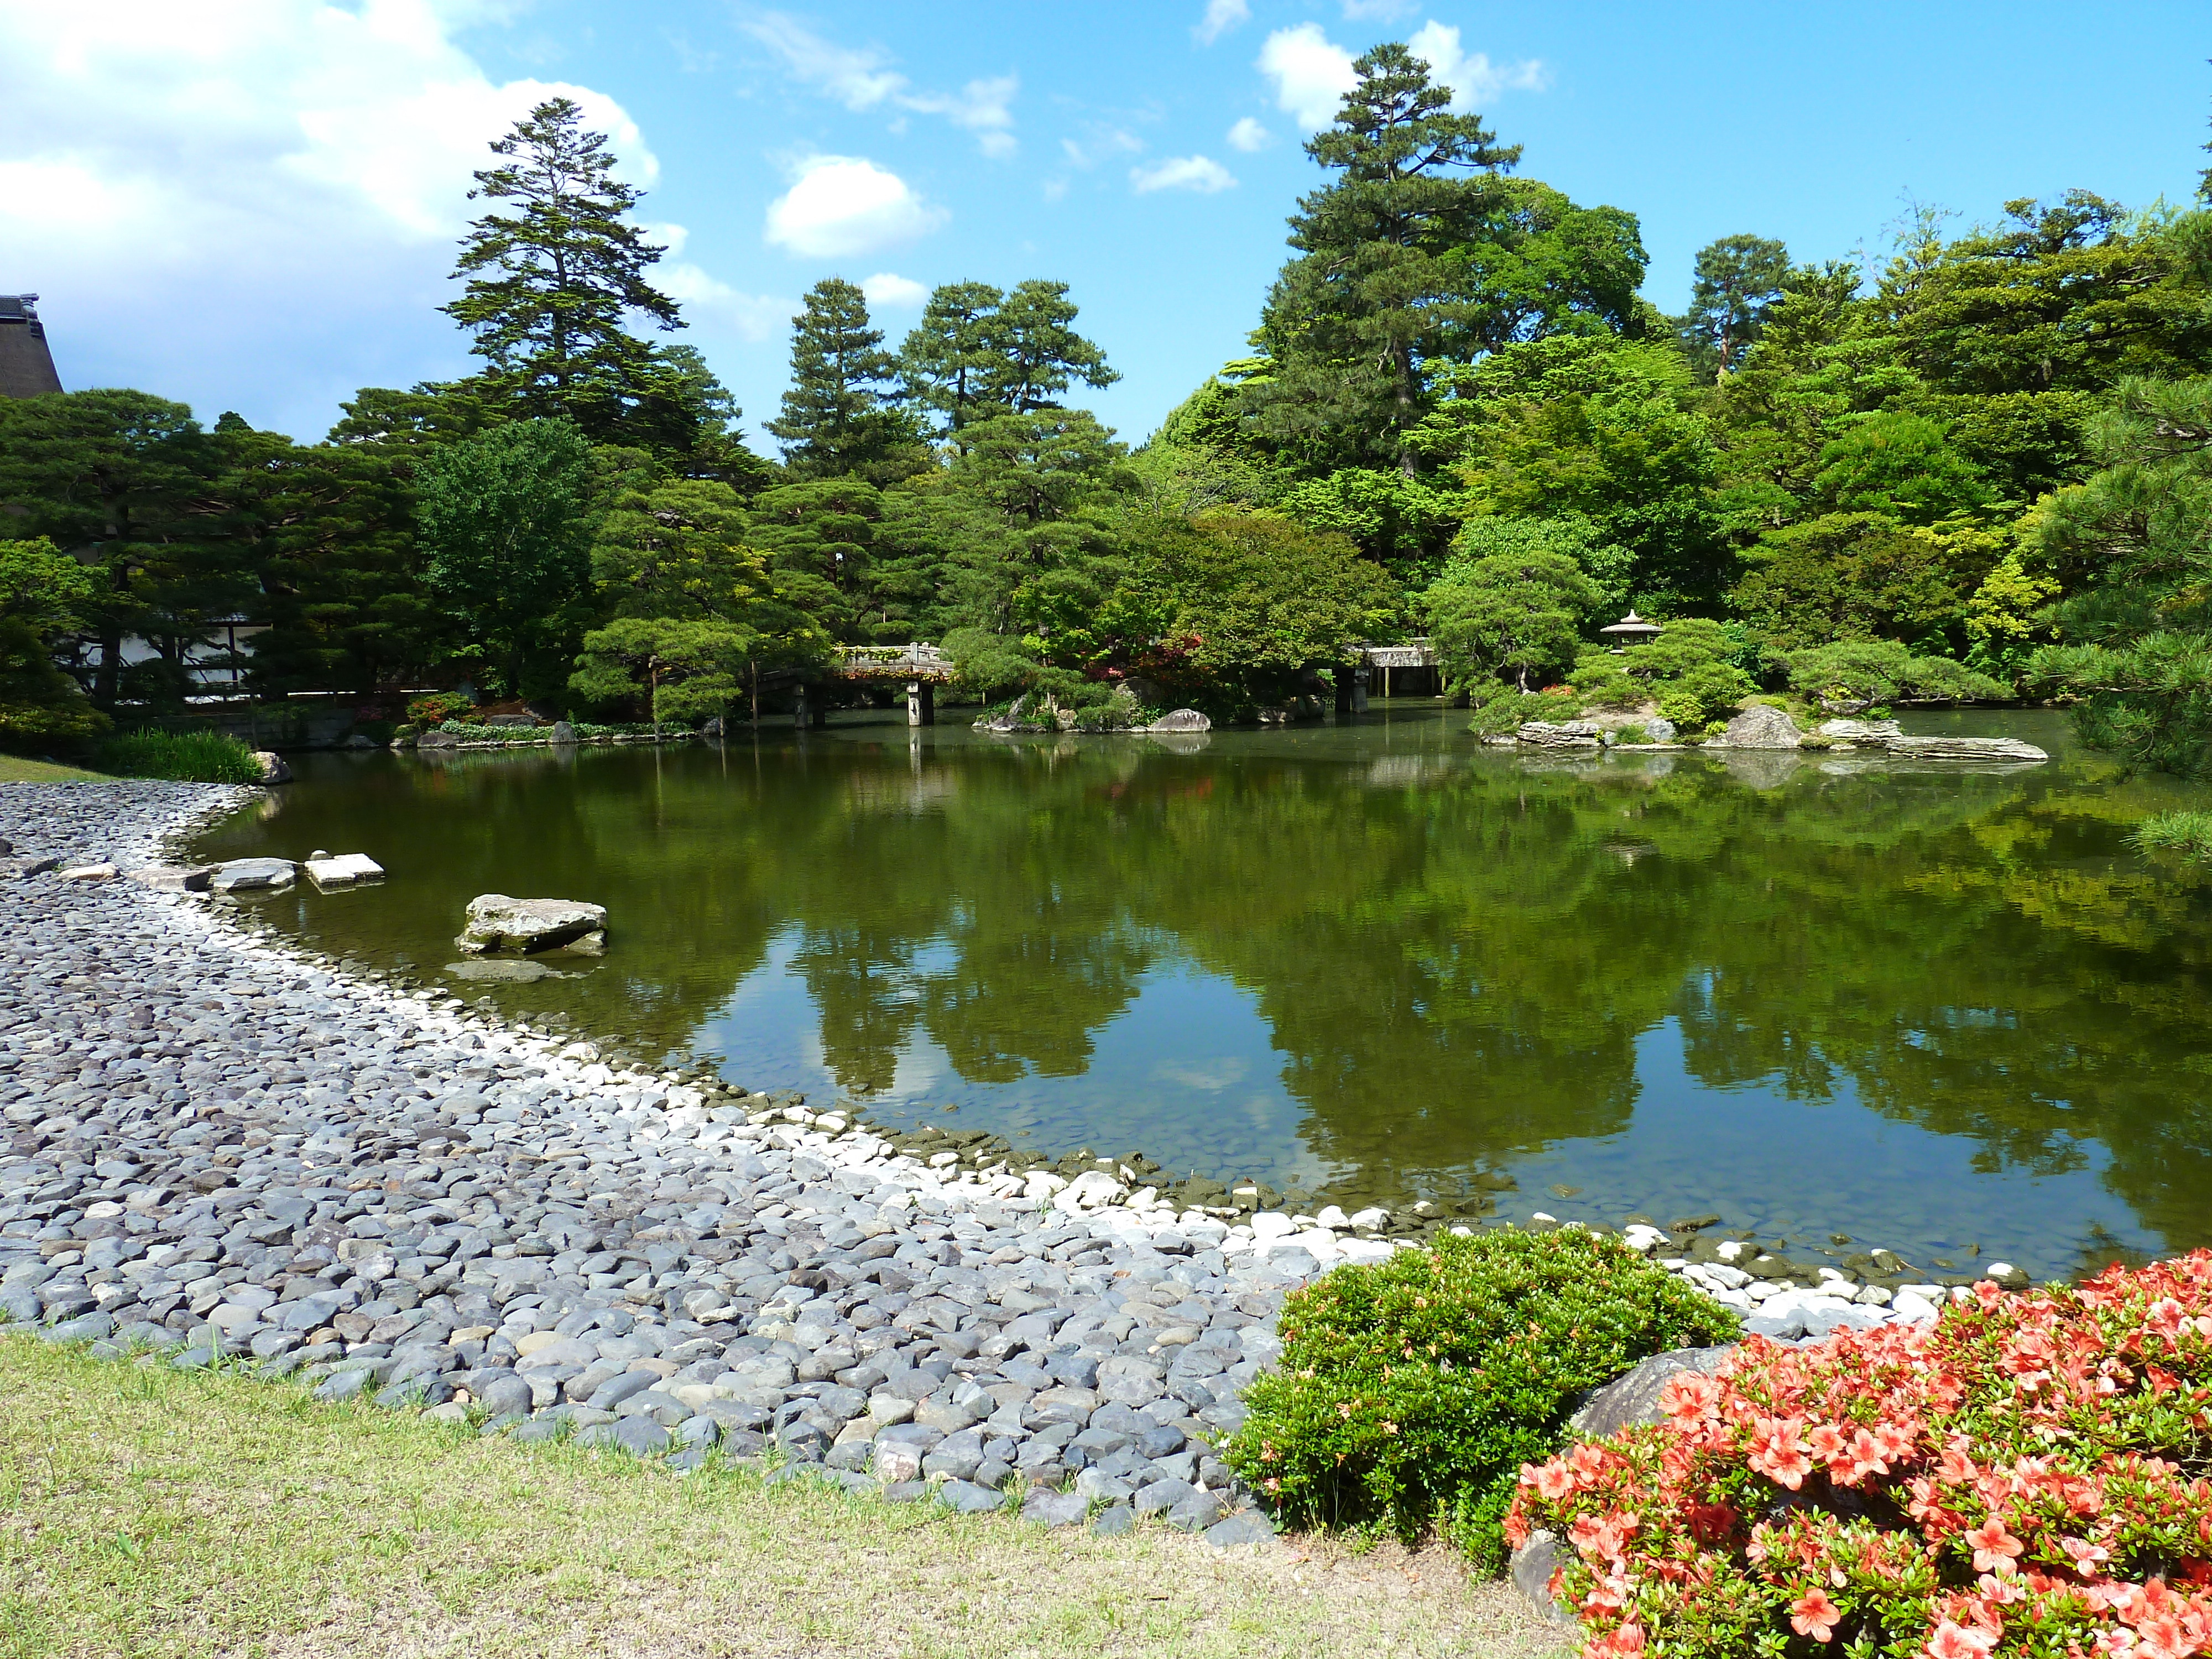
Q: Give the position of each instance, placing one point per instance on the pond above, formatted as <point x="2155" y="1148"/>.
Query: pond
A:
<point x="1944" y="1009"/>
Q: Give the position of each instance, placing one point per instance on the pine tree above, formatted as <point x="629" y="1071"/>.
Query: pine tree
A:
<point x="948" y="358"/>
<point x="978" y="352"/>
<point x="549" y="287"/>
<point x="836" y="417"/>
<point x="1738" y="280"/>
<point x="1378" y="288"/>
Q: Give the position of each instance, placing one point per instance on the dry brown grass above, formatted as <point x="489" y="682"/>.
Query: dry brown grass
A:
<point x="146" y="1512"/>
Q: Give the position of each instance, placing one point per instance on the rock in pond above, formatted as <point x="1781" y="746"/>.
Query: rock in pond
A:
<point x="1181" y="720"/>
<point x="1570" y="734"/>
<point x="173" y="877"/>
<point x="273" y="769"/>
<point x="563" y="733"/>
<point x="252" y="875"/>
<point x="345" y="870"/>
<point x="1762" y="726"/>
<point x="437" y="740"/>
<point x="497" y="922"/>
<point x="1965" y="749"/>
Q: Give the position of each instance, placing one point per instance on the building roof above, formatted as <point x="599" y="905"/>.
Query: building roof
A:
<point x="27" y="365"/>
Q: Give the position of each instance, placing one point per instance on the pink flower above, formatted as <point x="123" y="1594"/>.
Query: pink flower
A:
<point x="1952" y="1641"/>
<point x="1994" y="1549"/>
<point x="1814" y="1615"/>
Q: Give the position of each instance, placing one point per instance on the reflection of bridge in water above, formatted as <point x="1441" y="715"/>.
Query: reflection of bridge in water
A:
<point x="922" y="668"/>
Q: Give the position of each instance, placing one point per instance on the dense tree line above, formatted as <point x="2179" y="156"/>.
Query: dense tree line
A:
<point x="1978" y="471"/>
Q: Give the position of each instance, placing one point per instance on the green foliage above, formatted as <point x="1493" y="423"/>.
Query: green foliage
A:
<point x="1602" y="679"/>
<point x="1884" y="672"/>
<point x="41" y="708"/>
<point x="1514" y="614"/>
<point x="1401" y="523"/>
<point x="2140" y="639"/>
<point x="1738" y="281"/>
<point x="550" y="286"/>
<point x="1847" y="575"/>
<point x="42" y="588"/>
<point x="503" y="515"/>
<point x="181" y="756"/>
<point x="1500" y="708"/>
<point x="839" y="413"/>
<point x="1901" y="464"/>
<point x="1412" y="1391"/>
<point x="438" y="707"/>
<point x="978" y="351"/>
<point x="1602" y="430"/>
<point x="1705" y="694"/>
<point x="2188" y="836"/>
<point x="1608" y="565"/>
<point x="1234" y="607"/>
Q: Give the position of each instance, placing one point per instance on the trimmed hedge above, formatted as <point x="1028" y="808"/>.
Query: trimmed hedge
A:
<point x="1412" y="1391"/>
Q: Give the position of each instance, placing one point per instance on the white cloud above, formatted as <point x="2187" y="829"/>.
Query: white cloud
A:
<point x="1247" y="135"/>
<point x="1472" y="76"/>
<point x="1221" y="17"/>
<point x="889" y="291"/>
<point x="251" y="203"/>
<point x="1197" y="173"/>
<point x="840" y="205"/>
<point x="710" y="303"/>
<point x="1311" y="73"/>
<point x="1387" y="11"/>
<point x="1102" y="143"/>
<point x="861" y="79"/>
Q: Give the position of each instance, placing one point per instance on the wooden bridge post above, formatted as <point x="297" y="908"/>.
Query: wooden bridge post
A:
<point x="921" y="703"/>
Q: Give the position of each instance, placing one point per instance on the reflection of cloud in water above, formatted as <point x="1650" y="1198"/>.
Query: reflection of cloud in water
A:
<point x="1209" y="1074"/>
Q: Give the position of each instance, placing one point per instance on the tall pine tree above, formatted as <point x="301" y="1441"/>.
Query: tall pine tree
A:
<point x="550" y="285"/>
<point x="1376" y="289"/>
<point x="838" y="415"/>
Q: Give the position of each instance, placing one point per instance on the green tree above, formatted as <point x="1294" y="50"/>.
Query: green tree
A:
<point x="503" y="517"/>
<point x="949" y="357"/>
<point x="1403" y="524"/>
<point x="1737" y="283"/>
<point x="1509" y="615"/>
<point x="1849" y="575"/>
<point x="1240" y="608"/>
<point x="128" y="480"/>
<point x="43" y="593"/>
<point x="550" y="286"/>
<point x="838" y="415"/>
<point x="977" y="351"/>
<point x="1376" y="289"/>
<point x="2139" y="649"/>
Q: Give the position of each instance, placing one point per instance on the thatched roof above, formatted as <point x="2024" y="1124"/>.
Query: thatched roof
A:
<point x="26" y="366"/>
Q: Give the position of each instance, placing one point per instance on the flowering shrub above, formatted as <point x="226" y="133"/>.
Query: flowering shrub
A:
<point x="2023" y="1477"/>
<point x="1411" y="1390"/>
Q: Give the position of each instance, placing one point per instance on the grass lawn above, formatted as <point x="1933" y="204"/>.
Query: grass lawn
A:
<point x="147" y="1511"/>
<point x="15" y="768"/>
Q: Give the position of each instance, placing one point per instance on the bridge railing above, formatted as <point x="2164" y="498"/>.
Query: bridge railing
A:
<point x="916" y="661"/>
<point x="1406" y="654"/>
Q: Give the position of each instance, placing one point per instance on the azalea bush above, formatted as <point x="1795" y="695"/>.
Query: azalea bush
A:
<point x="2025" y="1476"/>
<point x="1412" y="1391"/>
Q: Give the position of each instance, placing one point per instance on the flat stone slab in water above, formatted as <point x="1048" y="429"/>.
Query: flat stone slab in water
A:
<point x="346" y="870"/>
<point x="252" y="875"/>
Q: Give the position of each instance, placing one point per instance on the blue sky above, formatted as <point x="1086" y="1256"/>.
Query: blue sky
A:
<point x="251" y="204"/>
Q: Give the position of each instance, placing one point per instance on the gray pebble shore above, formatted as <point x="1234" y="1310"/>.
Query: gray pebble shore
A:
<point x="213" y="1147"/>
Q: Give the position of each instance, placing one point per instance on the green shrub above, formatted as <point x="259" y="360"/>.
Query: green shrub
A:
<point x="1500" y="708"/>
<point x="1884" y="670"/>
<point x="180" y="756"/>
<point x="1632" y="734"/>
<point x="1412" y="1391"/>
<point x="1706" y="692"/>
<point x="2188" y="835"/>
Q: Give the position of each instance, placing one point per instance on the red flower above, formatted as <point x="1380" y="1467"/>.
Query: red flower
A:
<point x="1994" y="1549"/>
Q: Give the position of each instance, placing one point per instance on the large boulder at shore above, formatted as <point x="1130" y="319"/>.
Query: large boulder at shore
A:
<point x="497" y="922"/>
<point x="437" y="740"/>
<point x="1762" y="726"/>
<point x="1964" y="749"/>
<point x="273" y="769"/>
<point x="1634" y="1398"/>
<point x="1874" y="733"/>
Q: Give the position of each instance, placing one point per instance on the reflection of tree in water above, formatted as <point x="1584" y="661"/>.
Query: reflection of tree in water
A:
<point x="1456" y="964"/>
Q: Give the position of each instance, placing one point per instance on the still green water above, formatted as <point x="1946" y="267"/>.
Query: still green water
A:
<point x="1940" y="1009"/>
